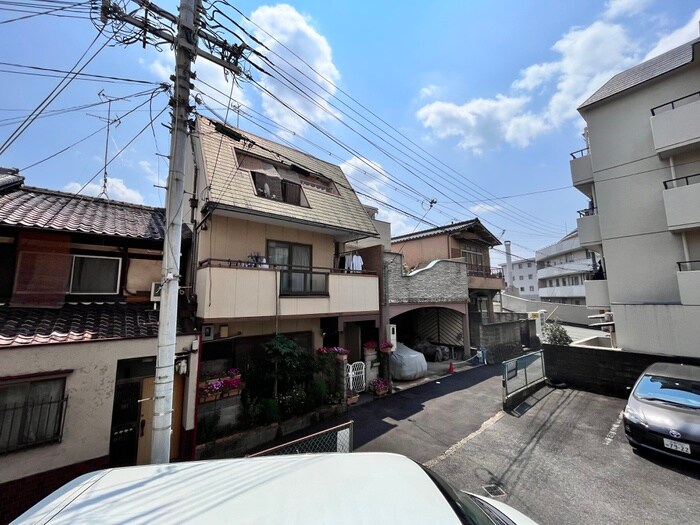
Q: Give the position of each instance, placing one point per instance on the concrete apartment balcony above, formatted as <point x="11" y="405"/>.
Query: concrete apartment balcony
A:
<point x="689" y="282"/>
<point x="581" y="170"/>
<point x="241" y="292"/>
<point x="562" y="291"/>
<point x="588" y="225"/>
<point x="567" y="268"/>
<point x="597" y="295"/>
<point x="675" y="126"/>
<point x="681" y="198"/>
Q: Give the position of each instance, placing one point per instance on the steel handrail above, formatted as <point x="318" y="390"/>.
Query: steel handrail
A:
<point x="672" y="103"/>
<point x="668" y="183"/>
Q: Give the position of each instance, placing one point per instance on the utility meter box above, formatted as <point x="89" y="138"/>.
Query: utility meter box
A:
<point x="391" y="334"/>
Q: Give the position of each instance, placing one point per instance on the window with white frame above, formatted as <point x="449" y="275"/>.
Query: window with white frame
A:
<point x="92" y="274"/>
<point x="31" y="412"/>
<point x="532" y="288"/>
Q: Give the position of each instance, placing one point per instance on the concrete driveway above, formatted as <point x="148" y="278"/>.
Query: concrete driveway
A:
<point x="562" y="459"/>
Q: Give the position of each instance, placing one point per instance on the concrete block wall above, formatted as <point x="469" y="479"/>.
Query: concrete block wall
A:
<point x="603" y="371"/>
<point x="440" y="281"/>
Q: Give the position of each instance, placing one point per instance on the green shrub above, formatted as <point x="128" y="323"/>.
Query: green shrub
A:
<point x="554" y="333"/>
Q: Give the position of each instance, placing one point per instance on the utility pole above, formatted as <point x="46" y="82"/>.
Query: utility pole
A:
<point x="185" y="43"/>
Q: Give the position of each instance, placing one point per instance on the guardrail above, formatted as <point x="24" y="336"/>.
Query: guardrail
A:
<point x="587" y="212"/>
<point x="673" y="104"/>
<point x="335" y="439"/>
<point x="675" y="183"/>
<point x="688" y="266"/>
<point x="580" y="153"/>
<point x="522" y="372"/>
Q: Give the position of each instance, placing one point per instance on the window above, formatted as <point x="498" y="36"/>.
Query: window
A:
<point x="31" y="413"/>
<point x="294" y="261"/>
<point x="472" y="255"/>
<point x="529" y="265"/>
<point x="569" y="257"/>
<point x="276" y="188"/>
<point x="522" y="288"/>
<point x="574" y="280"/>
<point x="532" y="288"/>
<point x="520" y="266"/>
<point x="550" y="283"/>
<point x="521" y="277"/>
<point x="557" y="281"/>
<point x="529" y="276"/>
<point x="95" y="275"/>
<point x="577" y="301"/>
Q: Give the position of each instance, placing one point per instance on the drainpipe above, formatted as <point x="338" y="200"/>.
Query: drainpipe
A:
<point x="686" y="252"/>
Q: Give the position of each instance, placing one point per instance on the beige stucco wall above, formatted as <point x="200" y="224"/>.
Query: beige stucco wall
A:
<point x="422" y="251"/>
<point x="236" y="239"/>
<point x="90" y="390"/>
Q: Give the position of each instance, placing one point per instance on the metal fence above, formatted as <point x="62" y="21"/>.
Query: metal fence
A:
<point x="28" y="424"/>
<point x="521" y="372"/>
<point x="336" y="439"/>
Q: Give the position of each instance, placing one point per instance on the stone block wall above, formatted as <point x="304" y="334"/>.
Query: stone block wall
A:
<point x="440" y="281"/>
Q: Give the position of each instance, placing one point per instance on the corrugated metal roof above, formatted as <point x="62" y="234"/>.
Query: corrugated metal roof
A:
<point x="652" y="68"/>
<point x="53" y="210"/>
<point x="231" y="186"/>
<point x="75" y="323"/>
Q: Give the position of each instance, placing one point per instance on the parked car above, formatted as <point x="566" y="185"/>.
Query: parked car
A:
<point x="305" y="489"/>
<point x="663" y="411"/>
<point x="407" y="364"/>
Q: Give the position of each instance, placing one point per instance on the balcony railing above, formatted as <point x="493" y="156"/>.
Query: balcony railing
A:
<point x="688" y="266"/>
<point x="682" y="181"/>
<point x="668" y="106"/>
<point x="580" y="153"/>
<point x="294" y="280"/>
<point x="587" y="212"/>
<point x="477" y="270"/>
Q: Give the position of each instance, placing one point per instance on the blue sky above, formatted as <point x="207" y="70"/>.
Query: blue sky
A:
<point x="480" y="98"/>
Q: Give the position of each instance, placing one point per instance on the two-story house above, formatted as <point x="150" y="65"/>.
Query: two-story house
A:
<point x="449" y="284"/>
<point x="641" y="173"/>
<point x="270" y="227"/>
<point x="78" y="340"/>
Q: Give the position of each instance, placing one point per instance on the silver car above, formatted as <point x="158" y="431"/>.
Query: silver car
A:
<point x="663" y="411"/>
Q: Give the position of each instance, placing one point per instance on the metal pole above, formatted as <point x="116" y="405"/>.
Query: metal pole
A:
<point x="163" y="391"/>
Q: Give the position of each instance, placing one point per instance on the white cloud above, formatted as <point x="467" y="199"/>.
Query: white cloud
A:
<point x="428" y="91"/>
<point x="680" y="36"/>
<point x="293" y="30"/>
<point x="587" y="58"/>
<point x="480" y="123"/>
<point x="151" y="173"/>
<point x="620" y="8"/>
<point x="116" y="190"/>
<point x="370" y="175"/>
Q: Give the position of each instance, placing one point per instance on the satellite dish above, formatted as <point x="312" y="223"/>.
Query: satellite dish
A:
<point x="268" y="194"/>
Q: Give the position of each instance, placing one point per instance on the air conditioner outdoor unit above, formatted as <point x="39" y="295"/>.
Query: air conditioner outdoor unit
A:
<point x="155" y="291"/>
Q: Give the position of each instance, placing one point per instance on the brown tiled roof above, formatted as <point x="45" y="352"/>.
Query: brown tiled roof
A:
<point x="231" y="186"/>
<point x="649" y="70"/>
<point x="58" y="211"/>
<point x="76" y="322"/>
<point x="473" y="224"/>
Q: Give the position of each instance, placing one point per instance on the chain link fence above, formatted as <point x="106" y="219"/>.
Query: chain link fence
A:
<point x="336" y="439"/>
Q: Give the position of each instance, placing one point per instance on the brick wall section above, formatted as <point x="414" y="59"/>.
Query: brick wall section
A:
<point x="445" y="281"/>
<point x="18" y="495"/>
<point x="609" y="372"/>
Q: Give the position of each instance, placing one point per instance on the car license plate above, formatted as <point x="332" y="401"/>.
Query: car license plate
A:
<point x="675" y="445"/>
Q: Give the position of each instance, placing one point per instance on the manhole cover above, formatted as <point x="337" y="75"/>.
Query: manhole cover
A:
<point x="494" y="491"/>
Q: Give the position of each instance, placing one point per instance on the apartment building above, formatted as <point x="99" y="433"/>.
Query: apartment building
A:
<point x="641" y="172"/>
<point x="562" y="268"/>
<point x="521" y="280"/>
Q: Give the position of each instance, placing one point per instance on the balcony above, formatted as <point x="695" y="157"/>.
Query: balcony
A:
<point x="588" y="225"/>
<point x="236" y="289"/>
<point x="568" y="268"/>
<point x="555" y="292"/>
<point x="485" y="278"/>
<point x="675" y="125"/>
<point x="581" y="170"/>
<point x="689" y="282"/>
<point x="681" y="197"/>
<point x="597" y="295"/>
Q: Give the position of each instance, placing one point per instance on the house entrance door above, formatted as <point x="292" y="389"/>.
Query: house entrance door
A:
<point x="145" y="424"/>
<point x="125" y="417"/>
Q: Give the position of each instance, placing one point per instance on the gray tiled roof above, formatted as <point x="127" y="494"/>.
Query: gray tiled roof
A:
<point x="58" y="211"/>
<point x="233" y="187"/>
<point x="450" y="228"/>
<point x="75" y="323"/>
<point x="652" y="68"/>
<point x="10" y="177"/>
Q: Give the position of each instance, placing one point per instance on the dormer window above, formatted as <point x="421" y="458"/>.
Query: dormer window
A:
<point x="276" y="188"/>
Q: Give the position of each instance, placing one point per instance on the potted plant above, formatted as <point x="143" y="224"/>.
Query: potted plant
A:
<point x="352" y="398"/>
<point x="379" y="387"/>
<point x="386" y="346"/>
<point x="338" y="351"/>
